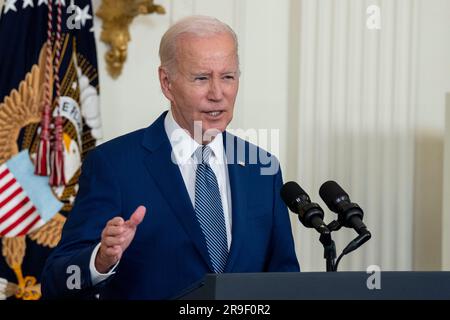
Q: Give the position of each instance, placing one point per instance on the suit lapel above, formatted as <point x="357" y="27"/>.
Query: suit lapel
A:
<point x="168" y="178"/>
<point x="238" y="174"/>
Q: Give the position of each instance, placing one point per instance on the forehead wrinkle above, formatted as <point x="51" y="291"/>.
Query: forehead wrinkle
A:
<point x="186" y="50"/>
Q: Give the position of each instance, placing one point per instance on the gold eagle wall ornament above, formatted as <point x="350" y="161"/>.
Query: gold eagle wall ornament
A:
<point x="117" y="16"/>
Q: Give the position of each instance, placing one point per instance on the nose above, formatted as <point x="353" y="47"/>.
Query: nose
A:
<point x="215" y="92"/>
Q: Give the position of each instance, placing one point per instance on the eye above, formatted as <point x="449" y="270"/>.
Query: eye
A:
<point x="200" y="78"/>
<point x="229" y="77"/>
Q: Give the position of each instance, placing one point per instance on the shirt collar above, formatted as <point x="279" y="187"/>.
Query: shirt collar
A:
<point x="183" y="146"/>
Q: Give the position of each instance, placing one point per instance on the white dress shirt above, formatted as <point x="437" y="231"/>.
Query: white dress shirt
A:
<point x="183" y="147"/>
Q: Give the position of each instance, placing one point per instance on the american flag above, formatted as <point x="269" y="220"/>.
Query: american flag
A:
<point x="19" y="214"/>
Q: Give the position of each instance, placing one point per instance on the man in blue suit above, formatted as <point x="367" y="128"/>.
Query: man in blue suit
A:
<point x="160" y="207"/>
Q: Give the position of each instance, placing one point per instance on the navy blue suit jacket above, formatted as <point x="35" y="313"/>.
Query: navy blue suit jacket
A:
<point x="169" y="251"/>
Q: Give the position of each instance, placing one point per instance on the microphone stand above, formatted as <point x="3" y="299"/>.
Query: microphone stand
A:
<point x="329" y="250"/>
<point x="329" y="247"/>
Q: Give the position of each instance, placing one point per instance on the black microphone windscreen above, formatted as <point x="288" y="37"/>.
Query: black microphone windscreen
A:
<point x="330" y="191"/>
<point x="291" y="191"/>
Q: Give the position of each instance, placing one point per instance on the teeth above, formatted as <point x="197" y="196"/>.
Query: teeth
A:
<point x="214" y="113"/>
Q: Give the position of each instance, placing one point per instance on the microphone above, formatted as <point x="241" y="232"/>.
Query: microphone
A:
<point x="310" y="214"/>
<point x="350" y="214"/>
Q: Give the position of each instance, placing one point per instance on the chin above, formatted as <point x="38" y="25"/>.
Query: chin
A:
<point x="220" y="126"/>
<point x="214" y="128"/>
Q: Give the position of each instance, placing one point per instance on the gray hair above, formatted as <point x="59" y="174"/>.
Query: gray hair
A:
<point x="201" y="26"/>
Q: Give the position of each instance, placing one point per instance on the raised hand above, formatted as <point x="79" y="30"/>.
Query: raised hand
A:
<point x="116" y="237"/>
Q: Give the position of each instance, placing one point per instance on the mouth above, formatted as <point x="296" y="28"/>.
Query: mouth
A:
<point x="214" y="114"/>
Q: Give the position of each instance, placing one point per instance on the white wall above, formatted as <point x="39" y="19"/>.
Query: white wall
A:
<point x="354" y="122"/>
<point x="134" y="100"/>
<point x="281" y="73"/>
<point x="433" y="83"/>
<point x="446" y="191"/>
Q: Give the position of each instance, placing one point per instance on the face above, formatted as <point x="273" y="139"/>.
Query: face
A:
<point x="205" y="83"/>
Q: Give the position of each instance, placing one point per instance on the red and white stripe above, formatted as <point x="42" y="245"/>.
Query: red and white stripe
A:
<point x="18" y="215"/>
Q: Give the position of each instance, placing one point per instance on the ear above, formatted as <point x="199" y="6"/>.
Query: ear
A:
<point x="164" y="80"/>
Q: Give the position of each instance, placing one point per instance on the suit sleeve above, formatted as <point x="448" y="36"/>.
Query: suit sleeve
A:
<point x="66" y="273"/>
<point x="282" y="257"/>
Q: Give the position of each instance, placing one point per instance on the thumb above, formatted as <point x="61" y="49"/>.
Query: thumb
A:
<point x="137" y="216"/>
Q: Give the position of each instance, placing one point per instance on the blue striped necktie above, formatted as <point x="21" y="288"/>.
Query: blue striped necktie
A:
<point x="209" y="211"/>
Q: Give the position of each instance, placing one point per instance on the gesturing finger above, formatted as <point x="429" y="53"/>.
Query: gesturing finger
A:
<point x="137" y="217"/>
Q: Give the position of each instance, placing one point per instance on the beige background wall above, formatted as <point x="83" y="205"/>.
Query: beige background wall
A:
<point x="433" y="83"/>
<point x="446" y="199"/>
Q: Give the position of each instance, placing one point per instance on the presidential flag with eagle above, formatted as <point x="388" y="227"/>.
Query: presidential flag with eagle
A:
<point x="49" y="121"/>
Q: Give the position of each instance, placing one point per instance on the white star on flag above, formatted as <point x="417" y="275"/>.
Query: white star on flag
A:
<point x="10" y="5"/>
<point x="43" y="2"/>
<point x="83" y="15"/>
<point x="27" y="3"/>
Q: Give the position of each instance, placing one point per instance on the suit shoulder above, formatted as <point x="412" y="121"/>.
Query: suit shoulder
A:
<point x="248" y="145"/>
<point x="251" y="153"/>
<point x="121" y="144"/>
